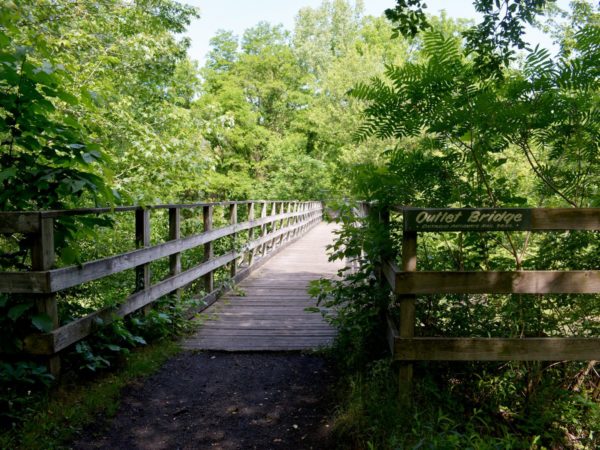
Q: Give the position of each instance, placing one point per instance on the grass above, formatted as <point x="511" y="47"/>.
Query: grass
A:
<point x="70" y="406"/>
<point x="467" y="413"/>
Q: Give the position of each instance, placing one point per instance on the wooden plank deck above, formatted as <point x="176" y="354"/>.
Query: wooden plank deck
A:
<point x="266" y="310"/>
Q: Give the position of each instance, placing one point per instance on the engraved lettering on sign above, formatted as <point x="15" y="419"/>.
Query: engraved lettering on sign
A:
<point x="467" y="219"/>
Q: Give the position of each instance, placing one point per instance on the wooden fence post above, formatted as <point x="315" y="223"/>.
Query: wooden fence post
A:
<point x="304" y="216"/>
<point x="42" y="258"/>
<point x="295" y="220"/>
<point x="142" y="239"/>
<point x="233" y="221"/>
<point x="175" y="233"/>
<point x="251" y="232"/>
<point x="271" y="243"/>
<point x="288" y="221"/>
<point x="407" y="314"/>
<point x="207" y="216"/>
<point x="263" y="229"/>
<point x="281" y="224"/>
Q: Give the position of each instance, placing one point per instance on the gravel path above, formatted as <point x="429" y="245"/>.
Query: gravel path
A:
<point x="224" y="401"/>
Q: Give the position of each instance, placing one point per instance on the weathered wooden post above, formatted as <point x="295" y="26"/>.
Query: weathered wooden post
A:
<point x="251" y="232"/>
<point x="407" y="314"/>
<point x="174" y="234"/>
<point x="207" y="216"/>
<point x="295" y="219"/>
<point x="42" y="258"/>
<point x="281" y="224"/>
<point x="263" y="229"/>
<point x="142" y="239"/>
<point x="271" y="242"/>
<point x="288" y="221"/>
<point x="301" y="208"/>
<point x="233" y="221"/>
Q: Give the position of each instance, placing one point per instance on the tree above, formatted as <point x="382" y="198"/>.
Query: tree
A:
<point x="46" y="158"/>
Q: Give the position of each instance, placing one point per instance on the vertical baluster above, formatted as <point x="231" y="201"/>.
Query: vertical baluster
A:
<point x="207" y="217"/>
<point x="281" y="224"/>
<point x="288" y="222"/>
<point x="174" y="234"/>
<point x="273" y="226"/>
<point x="263" y="228"/>
<point x="233" y="221"/>
<point x="293" y="220"/>
<point x="142" y="239"/>
<point x="251" y="232"/>
<point x="42" y="258"/>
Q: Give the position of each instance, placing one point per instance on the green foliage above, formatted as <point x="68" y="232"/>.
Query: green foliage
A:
<point x="356" y="304"/>
<point x="459" y="405"/>
<point x="492" y="41"/>
<point x="17" y="320"/>
<point x="408" y="17"/>
<point x="539" y="115"/>
<point x="45" y="161"/>
<point x="20" y="383"/>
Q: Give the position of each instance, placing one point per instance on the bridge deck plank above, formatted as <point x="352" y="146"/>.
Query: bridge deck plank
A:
<point x="266" y="311"/>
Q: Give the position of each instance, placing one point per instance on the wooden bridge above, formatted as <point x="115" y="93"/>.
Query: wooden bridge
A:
<point x="263" y="264"/>
<point x="273" y="256"/>
<point x="266" y="311"/>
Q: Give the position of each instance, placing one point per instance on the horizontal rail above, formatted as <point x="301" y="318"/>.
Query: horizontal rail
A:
<point x="10" y="222"/>
<point x="59" y="279"/>
<point x="496" y="349"/>
<point x="14" y="222"/>
<point x="565" y="219"/>
<point x="60" y="338"/>
<point x="25" y="282"/>
<point x="521" y="282"/>
<point x="72" y="332"/>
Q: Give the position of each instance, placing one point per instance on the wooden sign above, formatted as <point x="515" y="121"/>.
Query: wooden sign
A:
<point x="467" y="219"/>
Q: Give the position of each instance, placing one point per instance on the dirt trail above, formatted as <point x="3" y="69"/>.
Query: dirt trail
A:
<point x="224" y="401"/>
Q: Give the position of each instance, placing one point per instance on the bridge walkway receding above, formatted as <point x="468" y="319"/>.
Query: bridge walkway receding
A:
<point x="266" y="311"/>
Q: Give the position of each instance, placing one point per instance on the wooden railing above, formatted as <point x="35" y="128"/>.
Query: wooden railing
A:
<point x="278" y="224"/>
<point x="406" y="283"/>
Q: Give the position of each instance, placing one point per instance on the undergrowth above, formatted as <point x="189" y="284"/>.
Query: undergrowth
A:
<point x="37" y="411"/>
<point x="57" y="415"/>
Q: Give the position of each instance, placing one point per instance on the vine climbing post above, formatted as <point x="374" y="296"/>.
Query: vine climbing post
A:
<point x="42" y="258"/>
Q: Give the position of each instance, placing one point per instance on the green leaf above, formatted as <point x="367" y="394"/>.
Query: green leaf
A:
<point x="42" y="322"/>
<point x="138" y="339"/>
<point x="8" y="173"/>
<point x="18" y="310"/>
<point x="69" y="255"/>
<point x="67" y="98"/>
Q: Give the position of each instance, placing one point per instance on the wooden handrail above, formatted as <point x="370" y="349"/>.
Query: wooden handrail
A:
<point x="59" y="279"/>
<point x="54" y="213"/>
<point x="298" y="219"/>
